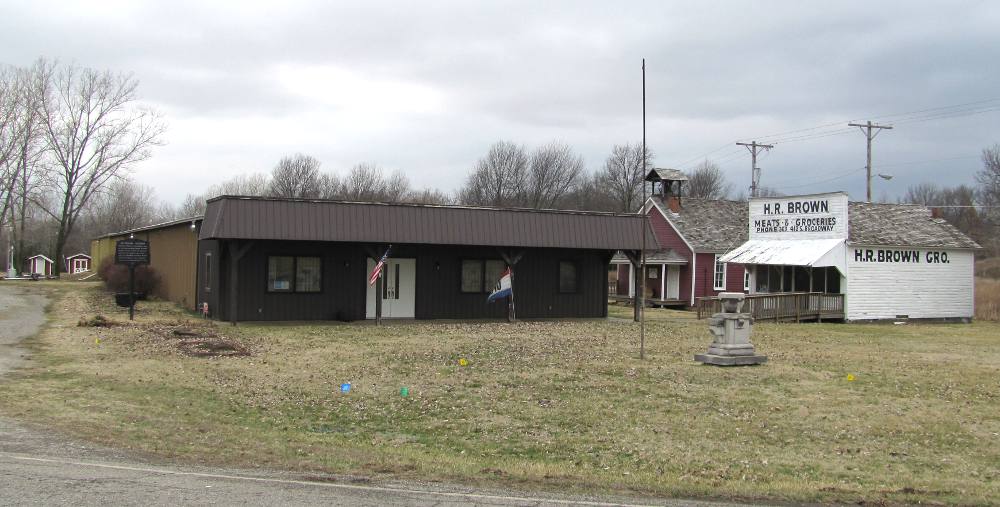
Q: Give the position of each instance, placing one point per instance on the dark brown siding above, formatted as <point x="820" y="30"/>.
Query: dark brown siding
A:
<point x="438" y="275"/>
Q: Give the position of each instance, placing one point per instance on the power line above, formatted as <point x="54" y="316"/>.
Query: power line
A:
<point x="915" y="116"/>
<point x="844" y="175"/>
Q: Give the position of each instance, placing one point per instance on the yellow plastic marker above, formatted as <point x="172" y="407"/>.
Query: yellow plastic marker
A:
<point x="97" y="341"/>
<point x="850" y="377"/>
<point x="463" y="362"/>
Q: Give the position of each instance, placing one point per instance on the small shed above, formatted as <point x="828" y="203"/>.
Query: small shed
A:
<point x="40" y="265"/>
<point x="78" y="263"/>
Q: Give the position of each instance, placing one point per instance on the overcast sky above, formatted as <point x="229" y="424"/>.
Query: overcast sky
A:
<point x="426" y="89"/>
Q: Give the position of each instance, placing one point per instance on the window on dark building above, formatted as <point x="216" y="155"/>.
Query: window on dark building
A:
<point x="308" y="274"/>
<point x="294" y="274"/>
<point x="208" y="272"/>
<point x="472" y="275"/>
<point x="481" y="275"/>
<point x="567" y="277"/>
<point x="493" y="270"/>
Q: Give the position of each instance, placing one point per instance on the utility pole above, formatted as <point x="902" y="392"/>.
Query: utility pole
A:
<point x="755" y="171"/>
<point x="645" y="220"/>
<point x="867" y="129"/>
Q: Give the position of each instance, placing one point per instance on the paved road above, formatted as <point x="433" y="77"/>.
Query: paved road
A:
<point x="22" y="313"/>
<point x="38" y="467"/>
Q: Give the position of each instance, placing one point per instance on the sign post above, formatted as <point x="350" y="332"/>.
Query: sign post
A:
<point x="131" y="253"/>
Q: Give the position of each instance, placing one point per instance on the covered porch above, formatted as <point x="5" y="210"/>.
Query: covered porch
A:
<point x="662" y="271"/>
<point x="790" y="280"/>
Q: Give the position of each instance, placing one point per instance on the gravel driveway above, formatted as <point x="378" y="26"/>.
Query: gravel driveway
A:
<point x="22" y="313"/>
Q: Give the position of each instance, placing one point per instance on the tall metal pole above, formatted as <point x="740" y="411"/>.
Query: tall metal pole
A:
<point x="866" y="129"/>
<point x="642" y="254"/>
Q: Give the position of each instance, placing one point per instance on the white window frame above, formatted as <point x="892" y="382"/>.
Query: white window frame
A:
<point x="715" y="274"/>
<point x="746" y="279"/>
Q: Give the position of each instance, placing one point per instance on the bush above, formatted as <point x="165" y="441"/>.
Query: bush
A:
<point x="987" y="299"/>
<point x="115" y="277"/>
<point x="989" y="268"/>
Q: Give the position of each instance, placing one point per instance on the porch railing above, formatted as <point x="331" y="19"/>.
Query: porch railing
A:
<point x="785" y="306"/>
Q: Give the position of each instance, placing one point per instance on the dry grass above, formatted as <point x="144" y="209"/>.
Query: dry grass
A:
<point x="550" y="405"/>
<point x="988" y="299"/>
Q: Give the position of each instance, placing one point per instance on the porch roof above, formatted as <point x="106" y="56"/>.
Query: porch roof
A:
<point x="809" y="252"/>
<point x="668" y="256"/>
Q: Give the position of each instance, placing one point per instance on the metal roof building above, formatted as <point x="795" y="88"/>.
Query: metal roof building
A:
<point x="297" y="259"/>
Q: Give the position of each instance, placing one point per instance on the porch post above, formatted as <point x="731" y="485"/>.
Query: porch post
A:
<point x="663" y="282"/>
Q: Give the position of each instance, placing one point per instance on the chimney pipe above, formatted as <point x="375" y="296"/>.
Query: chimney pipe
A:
<point x="674" y="203"/>
<point x="936" y="213"/>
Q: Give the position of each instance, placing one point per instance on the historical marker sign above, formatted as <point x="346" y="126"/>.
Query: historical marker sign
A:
<point x="132" y="252"/>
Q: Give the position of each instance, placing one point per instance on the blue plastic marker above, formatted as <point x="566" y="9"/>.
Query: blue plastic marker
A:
<point x="345" y="388"/>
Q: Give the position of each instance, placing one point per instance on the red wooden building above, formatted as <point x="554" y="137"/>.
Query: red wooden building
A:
<point x="693" y="234"/>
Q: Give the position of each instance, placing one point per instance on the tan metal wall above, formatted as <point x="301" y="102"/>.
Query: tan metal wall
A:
<point x="173" y="253"/>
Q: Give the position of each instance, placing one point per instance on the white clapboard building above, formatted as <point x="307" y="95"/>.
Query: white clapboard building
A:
<point x="888" y="261"/>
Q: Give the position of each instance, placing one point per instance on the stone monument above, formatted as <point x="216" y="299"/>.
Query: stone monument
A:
<point x="731" y="335"/>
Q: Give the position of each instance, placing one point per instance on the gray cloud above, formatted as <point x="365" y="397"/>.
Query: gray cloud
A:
<point x="532" y="73"/>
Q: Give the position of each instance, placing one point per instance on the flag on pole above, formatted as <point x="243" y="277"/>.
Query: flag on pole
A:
<point x="378" y="267"/>
<point x="502" y="289"/>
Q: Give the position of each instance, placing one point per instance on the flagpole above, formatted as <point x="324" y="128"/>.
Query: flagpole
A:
<point x="513" y="315"/>
<point x="642" y="262"/>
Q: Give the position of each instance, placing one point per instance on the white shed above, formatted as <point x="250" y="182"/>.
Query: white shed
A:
<point x="889" y="261"/>
<point x="39" y="265"/>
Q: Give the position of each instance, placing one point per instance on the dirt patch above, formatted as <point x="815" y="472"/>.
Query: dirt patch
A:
<point x="212" y="347"/>
<point x="97" y="321"/>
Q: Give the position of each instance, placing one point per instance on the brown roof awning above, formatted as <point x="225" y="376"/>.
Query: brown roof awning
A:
<point x="230" y="217"/>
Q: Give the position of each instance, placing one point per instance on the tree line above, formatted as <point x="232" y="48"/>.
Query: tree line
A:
<point x="69" y="137"/>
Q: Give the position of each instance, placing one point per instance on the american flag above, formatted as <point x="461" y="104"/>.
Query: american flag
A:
<point x="378" y="267"/>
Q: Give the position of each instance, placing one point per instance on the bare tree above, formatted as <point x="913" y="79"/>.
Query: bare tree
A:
<point x="989" y="176"/>
<point x="927" y="194"/>
<point x="254" y="184"/>
<point x="123" y="204"/>
<point x="191" y="206"/>
<point x="20" y="132"/>
<point x="95" y="131"/>
<point x="988" y="195"/>
<point x="498" y="179"/>
<point x="622" y="176"/>
<point x="554" y="172"/>
<point x="364" y="183"/>
<point x="329" y="186"/>
<point x="428" y="196"/>
<point x="706" y="181"/>
<point x="397" y="187"/>
<point x="296" y="176"/>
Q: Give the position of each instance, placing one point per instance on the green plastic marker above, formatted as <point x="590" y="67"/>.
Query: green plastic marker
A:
<point x="404" y="391"/>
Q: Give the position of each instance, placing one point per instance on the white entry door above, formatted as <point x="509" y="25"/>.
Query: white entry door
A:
<point x="399" y="295"/>
<point x="673" y="282"/>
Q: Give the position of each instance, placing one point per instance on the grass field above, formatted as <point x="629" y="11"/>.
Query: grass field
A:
<point x="538" y="405"/>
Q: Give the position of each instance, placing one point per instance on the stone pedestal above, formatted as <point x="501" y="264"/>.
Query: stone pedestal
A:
<point x="731" y="330"/>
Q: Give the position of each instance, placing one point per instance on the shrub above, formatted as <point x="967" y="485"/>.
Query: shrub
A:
<point x="989" y="268"/>
<point x="115" y="277"/>
<point x="987" y="299"/>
